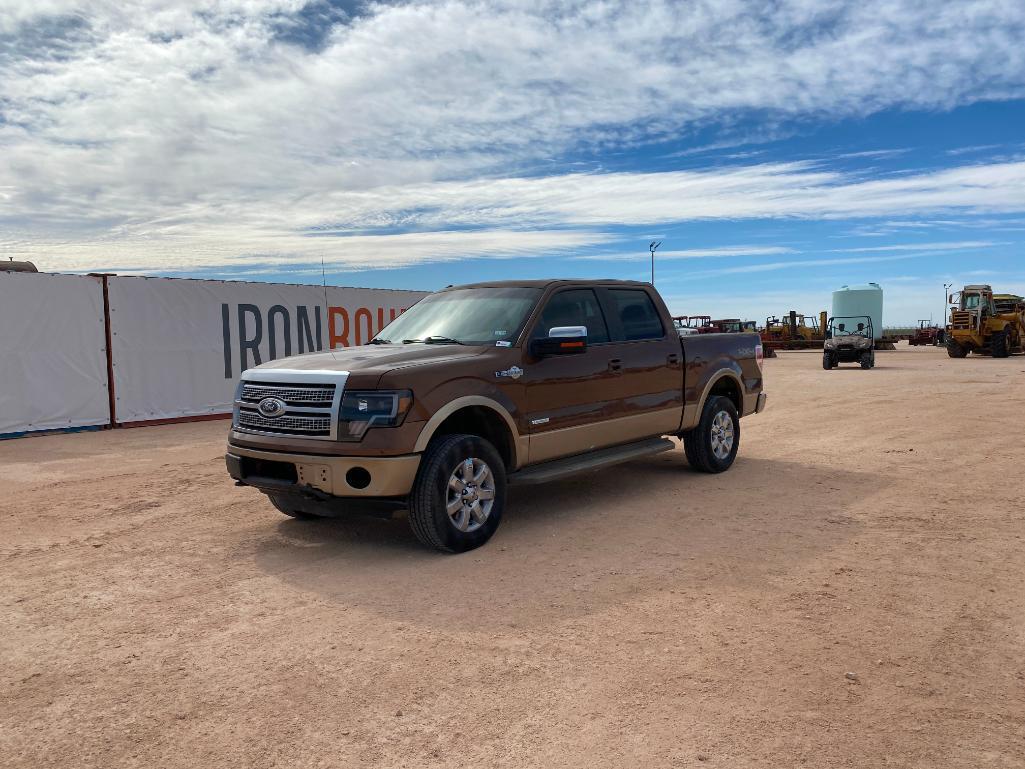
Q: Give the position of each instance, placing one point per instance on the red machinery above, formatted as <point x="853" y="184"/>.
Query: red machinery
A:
<point x="926" y="334"/>
<point x="703" y="324"/>
<point x="722" y="326"/>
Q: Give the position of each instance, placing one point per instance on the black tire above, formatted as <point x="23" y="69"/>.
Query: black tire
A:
<point x="954" y="350"/>
<point x="998" y="344"/>
<point x="288" y="506"/>
<point x="427" y="502"/>
<point x="866" y="360"/>
<point x="697" y="443"/>
<point x="827" y="361"/>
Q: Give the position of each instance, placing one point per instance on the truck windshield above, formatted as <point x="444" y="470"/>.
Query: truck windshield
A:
<point x="463" y="316"/>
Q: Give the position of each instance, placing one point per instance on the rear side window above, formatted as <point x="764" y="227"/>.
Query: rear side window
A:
<point x="576" y="307"/>
<point x="637" y="315"/>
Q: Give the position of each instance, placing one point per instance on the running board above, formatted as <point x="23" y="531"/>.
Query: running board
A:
<point x="592" y="460"/>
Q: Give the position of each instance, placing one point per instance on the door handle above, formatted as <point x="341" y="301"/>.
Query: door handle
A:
<point x="615" y="365"/>
<point x="672" y="360"/>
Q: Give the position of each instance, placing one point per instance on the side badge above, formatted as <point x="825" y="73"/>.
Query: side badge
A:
<point x="510" y="373"/>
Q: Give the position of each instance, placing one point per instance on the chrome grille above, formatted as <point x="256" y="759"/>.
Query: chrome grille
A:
<point x="298" y="423"/>
<point x="312" y="400"/>
<point x="289" y="393"/>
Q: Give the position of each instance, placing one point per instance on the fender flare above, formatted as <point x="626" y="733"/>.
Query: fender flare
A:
<point x="519" y="443"/>
<point x="692" y="411"/>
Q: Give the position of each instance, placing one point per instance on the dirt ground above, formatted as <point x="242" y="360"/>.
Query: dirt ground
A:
<point x="156" y="616"/>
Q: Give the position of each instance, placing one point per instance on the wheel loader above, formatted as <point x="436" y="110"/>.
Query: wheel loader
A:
<point x="984" y="323"/>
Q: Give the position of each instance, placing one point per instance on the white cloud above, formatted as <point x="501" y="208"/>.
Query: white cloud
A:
<point x="962" y="245"/>
<point x="241" y="247"/>
<point x="974" y="148"/>
<point x="795" y="264"/>
<point x="189" y="134"/>
<point x="874" y="153"/>
<point x="695" y="253"/>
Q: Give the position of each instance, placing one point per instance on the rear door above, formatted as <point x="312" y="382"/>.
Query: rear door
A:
<point x="647" y="355"/>
<point x="569" y="397"/>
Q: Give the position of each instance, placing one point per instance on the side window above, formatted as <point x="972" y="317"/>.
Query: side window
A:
<point x="638" y="317"/>
<point x="576" y="307"/>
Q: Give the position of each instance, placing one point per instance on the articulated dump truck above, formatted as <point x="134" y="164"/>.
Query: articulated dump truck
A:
<point x="985" y="323"/>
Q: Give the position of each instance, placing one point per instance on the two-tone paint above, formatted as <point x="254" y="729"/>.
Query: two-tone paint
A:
<point x="540" y="409"/>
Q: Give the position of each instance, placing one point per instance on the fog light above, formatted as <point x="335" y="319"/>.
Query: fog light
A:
<point x="358" y="477"/>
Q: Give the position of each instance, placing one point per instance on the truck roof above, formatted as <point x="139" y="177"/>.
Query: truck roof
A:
<point x="547" y="283"/>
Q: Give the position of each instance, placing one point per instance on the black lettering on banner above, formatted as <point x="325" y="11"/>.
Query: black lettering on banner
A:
<point x="226" y="332"/>
<point x="286" y="327"/>
<point x="244" y="343"/>
<point x="302" y="321"/>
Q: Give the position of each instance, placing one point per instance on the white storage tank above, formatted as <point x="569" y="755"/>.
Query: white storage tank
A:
<point x="852" y="301"/>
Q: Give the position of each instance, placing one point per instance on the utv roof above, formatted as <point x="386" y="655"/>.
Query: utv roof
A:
<point x="547" y="283"/>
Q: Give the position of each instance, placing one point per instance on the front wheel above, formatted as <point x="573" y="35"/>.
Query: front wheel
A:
<point x="712" y="446"/>
<point x="827" y="361"/>
<point x="459" y="493"/>
<point x="867" y="360"/>
<point x="955" y="350"/>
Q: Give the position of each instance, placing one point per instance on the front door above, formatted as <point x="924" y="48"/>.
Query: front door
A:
<point x="570" y="397"/>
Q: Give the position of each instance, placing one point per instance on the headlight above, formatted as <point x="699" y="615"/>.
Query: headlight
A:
<point x="361" y="410"/>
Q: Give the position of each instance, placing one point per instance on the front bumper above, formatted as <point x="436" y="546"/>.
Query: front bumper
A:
<point x="283" y="472"/>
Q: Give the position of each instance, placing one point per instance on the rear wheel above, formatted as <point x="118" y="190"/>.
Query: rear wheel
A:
<point x="288" y="506"/>
<point x="459" y="493"/>
<point x="955" y="350"/>
<point x="712" y="446"/>
<point x="998" y="344"/>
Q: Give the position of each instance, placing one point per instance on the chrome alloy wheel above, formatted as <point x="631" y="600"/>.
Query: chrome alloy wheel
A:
<point x="722" y="435"/>
<point x="471" y="494"/>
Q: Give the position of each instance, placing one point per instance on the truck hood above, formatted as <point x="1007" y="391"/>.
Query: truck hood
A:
<point x="374" y="360"/>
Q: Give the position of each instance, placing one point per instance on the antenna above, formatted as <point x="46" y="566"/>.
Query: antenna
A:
<point x="323" y="280"/>
<point x="651" y="247"/>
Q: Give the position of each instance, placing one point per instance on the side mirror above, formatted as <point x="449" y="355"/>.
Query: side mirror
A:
<point x="950" y="298"/>
<point x="561" y="340"/>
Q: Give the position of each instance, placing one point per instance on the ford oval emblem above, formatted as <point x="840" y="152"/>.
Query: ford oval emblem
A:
<point x="271" y="407"/>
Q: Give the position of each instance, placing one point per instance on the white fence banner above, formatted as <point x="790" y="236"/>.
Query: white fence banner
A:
<point x="53" y="357"/>
<point x="179" y="345"/>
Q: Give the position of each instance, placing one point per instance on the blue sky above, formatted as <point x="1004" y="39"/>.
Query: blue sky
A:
<point x="777" y="149"/>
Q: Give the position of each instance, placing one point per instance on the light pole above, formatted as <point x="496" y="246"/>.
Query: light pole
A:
<point x="946" y="287"/>
<point x="651" y="247"/>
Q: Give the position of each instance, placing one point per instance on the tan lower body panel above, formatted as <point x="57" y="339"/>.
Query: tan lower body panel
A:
<point x="576" y="440"/>
<point x="389" y="476"/>
<point x="750" y="403"/>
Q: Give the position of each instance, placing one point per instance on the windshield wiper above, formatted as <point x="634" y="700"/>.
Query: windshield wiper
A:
<point x="379" y="341"/>
<point x="432" y="340"/>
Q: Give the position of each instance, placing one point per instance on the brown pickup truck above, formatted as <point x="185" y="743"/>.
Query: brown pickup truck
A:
<point x="481" y="386"/>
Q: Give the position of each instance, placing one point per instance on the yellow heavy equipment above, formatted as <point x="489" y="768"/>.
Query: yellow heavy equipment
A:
<point x="985" y="323"/>
<point x="795" y="331"/>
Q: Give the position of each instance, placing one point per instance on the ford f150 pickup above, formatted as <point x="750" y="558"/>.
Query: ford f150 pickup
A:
<point x="481" y="386"/>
